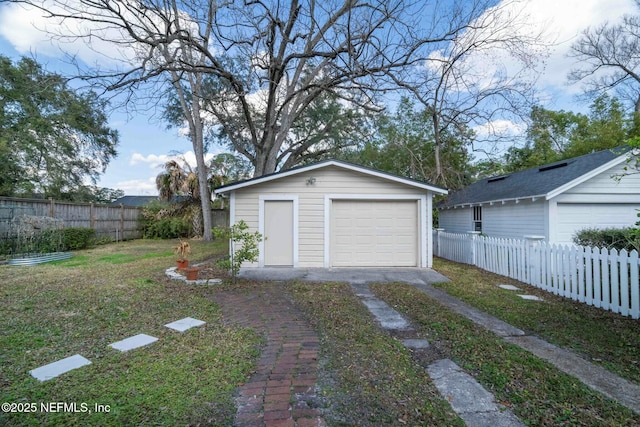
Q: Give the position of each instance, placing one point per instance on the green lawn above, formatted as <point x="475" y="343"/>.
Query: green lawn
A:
<point x="600" y="335"/>
<point x="367" y="377"/>
<point x="52" y="311"/>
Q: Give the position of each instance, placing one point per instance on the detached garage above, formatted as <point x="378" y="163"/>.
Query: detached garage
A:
<point x="336" y="214"/>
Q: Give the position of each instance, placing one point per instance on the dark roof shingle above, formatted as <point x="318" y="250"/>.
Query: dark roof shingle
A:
<point x="537" y="181"/>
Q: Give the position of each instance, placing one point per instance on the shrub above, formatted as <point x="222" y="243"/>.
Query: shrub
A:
<point x="167" y="228"/>
<point x="610" y="238"/>
<point x="244" y="246"/>
<point x="75" y="238"/>
<point x="162" y="221"/>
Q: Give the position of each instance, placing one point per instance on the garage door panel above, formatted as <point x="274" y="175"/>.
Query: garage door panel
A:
<point x="374" y="233"/>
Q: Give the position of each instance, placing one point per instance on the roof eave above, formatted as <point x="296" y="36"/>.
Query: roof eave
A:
<point x="493" y="202"/>
<point x="587" y="176"/>
<point x="424" y="186"/>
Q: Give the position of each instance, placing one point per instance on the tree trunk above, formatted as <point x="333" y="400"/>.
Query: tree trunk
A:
<point x="267" y="154"/>
<point x="197" y="140"/>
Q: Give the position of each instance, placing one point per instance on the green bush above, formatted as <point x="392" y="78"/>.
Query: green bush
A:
<point x="167" y="228"/>
<point x="610" y="238"/>
<point x="75" y="238"/>
<point x="163" y="221"/>
<point x="244" y="246"/>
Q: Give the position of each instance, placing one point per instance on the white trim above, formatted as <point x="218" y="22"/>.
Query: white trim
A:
<point x="587" y="176"/>
<point x="278" y="197"/>
<point x="232" y="208"/>
<point x="335" y="163"/>
<point x="424" y="202"/>
<point x="502" y="201"/>
<point x="232" y="217"/>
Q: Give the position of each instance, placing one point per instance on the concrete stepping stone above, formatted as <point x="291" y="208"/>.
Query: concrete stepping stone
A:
<point x="472" y="402"/>
<point x="60" y="367"/>
<point x="184" y="324"/>
<point x="416" y="344"/>
<point x="509" y="287"/>
<point x="387" y="316"/>
<point x="135" y="341"/>
<point x="531" y="297"/>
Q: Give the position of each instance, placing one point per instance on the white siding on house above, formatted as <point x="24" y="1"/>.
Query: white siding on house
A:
<point x="311" y="199"/>
<point x="455" y="220"/>
<point x="498" y="220"/>
<point x="603" y="188"/>
<point x="513" y="219"/>
<point x="600" y="202"/>
<point x="573" y="217"/>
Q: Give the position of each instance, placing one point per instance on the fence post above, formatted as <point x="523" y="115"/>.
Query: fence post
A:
<point x="122" y="237"/>
<point x="533" y="267"/>
<point x="472" y="256"/>
<point x="437" y="248"/>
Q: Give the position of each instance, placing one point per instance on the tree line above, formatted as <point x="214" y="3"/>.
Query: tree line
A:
<point x="284" y="83"/>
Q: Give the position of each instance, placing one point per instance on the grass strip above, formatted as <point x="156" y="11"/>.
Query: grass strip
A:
<point x="536" y="391"/>
<point x="369" y="378"/>
<point x="603" y="337"/>
<point x="52" y="311"/>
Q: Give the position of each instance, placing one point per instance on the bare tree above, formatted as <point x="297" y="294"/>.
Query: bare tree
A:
<point x="269" y="59"/>
<point x="483" y="76"/>
<point x="609" y="59"/>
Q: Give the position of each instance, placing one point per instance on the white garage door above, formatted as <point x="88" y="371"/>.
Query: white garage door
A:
<point x="374" y="233"/>
<point x="573" y="217"/>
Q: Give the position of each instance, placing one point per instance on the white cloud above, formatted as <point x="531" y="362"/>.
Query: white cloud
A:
<point x="559" y="23"/>
<point x="29" y="30"/>
<point x="568" y="18"/>
<point x="138" y="187"/>
<point x="499" y="127"/>
<point x="156" y="161"/>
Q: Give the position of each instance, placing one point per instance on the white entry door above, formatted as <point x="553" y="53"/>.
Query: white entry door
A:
<point x="278" y="233"/>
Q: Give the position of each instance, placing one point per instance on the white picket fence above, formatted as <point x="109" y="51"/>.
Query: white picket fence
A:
<point x="600" y="277"/>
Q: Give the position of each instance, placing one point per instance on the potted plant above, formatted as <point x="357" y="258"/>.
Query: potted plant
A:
<point x="182" y="249"/>
<point x="192" y="273"/>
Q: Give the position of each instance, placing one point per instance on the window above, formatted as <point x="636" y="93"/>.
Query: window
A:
<point x="477" y="218"/>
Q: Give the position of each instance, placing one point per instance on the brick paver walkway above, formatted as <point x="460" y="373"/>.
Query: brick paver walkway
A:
<point x="282" y="390"/>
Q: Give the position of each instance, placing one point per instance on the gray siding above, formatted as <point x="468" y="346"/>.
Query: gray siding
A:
<point x="455" y="220"/>
<point x="514" y="220"/>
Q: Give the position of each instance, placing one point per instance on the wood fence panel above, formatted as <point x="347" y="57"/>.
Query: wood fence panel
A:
<point x="111" y="222"/>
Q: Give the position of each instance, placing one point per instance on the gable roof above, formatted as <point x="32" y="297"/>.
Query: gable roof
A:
<point x="545" y="181"/>
<point x="326" y="163"/>
<point x="139" y="201"/>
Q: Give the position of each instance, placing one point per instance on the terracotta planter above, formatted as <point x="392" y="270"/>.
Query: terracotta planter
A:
<point x="192" y="273"/>
<point x="182" y="264"/>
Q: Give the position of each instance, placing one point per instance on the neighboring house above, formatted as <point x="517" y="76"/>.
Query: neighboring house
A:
<point x="140" y="201"/>
<point x="134" y="201"/>
<point x="336" y="214"/>
<point x="554" y="200"/>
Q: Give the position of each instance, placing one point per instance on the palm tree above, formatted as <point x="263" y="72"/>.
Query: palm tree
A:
<point x="175" y="180"/>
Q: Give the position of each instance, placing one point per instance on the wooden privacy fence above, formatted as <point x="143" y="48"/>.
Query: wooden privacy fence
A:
<point x="111" y="222"/>
<point x="602" y="278"/>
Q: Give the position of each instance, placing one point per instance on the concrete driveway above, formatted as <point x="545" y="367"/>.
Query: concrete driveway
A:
<point x="354" y="276"/>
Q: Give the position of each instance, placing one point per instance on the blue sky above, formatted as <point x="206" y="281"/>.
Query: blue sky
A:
<point x="145" y="143"/>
